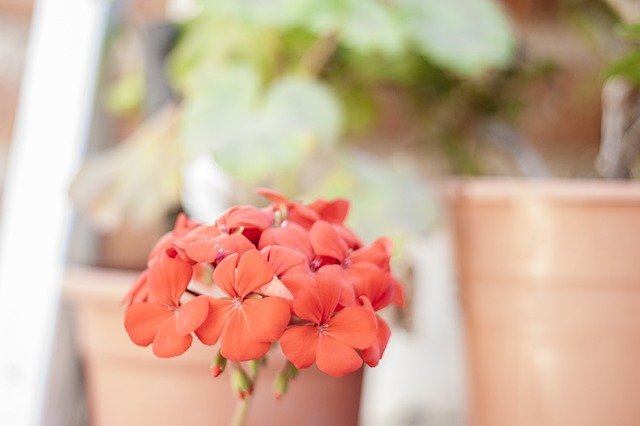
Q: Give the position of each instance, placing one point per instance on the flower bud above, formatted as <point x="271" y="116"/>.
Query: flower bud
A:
<point x="218" y="365"/>
<point x="241" y="383"/>
<point x="291" y="371"/>
<point x="280" y="385"/>
<point x="281" y="382"/>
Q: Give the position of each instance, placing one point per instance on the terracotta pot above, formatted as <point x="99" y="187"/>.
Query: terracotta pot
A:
<point x="128" y="385"/>
<point x="550" y="286"/>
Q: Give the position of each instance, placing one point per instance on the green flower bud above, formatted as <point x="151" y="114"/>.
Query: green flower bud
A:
<point x="281" y="382"/>
<point x="218" y="365"/>
<point x="241" y="383"/>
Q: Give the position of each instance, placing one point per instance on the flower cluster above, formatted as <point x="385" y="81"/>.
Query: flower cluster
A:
<point x="291" y="273"/>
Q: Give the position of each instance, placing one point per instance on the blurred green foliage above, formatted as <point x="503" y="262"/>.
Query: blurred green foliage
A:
<point x="628" y="66"/>
<point x="267" y="87"/>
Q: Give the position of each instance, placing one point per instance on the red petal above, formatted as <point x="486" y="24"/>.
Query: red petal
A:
<point x="326" y="242"/>
<point x="143" y="320"/>
<point x="237" y="344"/>
<point x="340" y="277"/>
<point x="211" y="329"/>
<point x="243" y="216"/>
<point x="273" y="196"/>
<point x="296" y="281"/>
<point x="331" y="286"/>
<point x="371" y="281"/>
<point x="334" y="211"/>
<point x="212" y="249"/>
<point x="307" y="305"/>
<point x="168" y="279"/>
<point x="234" y="243"/>
<point x="292" y="236"/>
<point x="160" y="248"/>
<point x="348" y="236"/>
<point x="356" y="326"/>
<point x="266" y="318"/>
<point x="398" y="292"/>
<point x="299" y="344"/>
<point x="253" y="271"/>
<point x="302" y="215"/>
<point x="373" y="354"/>
<point x="276" y="288"/>
<point x="284" y="259"/>
<point x="191" y="315"/>
<point x="225" y="274"/>
<point x="184" y="224"/>
<point x="138" y="292"/>
<point x="168" y="343"/>
<point x="196" y="245"/>
<point x="378" y="253"/>
<point x="335" y="357"/>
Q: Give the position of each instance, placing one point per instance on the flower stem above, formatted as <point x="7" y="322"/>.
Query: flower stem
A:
<point x="240" y="414"/>
<point x="242" y="406"/>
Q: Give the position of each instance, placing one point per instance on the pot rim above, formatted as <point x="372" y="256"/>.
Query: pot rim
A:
<point x="549" y="189"/>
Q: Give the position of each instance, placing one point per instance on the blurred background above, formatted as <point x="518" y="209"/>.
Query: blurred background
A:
<point x="135" y="110"/>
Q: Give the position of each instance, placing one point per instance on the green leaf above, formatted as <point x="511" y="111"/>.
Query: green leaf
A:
<point x="269" y="13"/>
<point x="465" y="36"/>
<point x="253" y="133"/>
<point x="304" y="108"/>
<point x="371" y="26"/>
<point x="127" y="94"/>
<point x="219" y="109"/>
<point x="210" y="42"/>
<point x="627" y="67"/>
<point x="384" y="194"/>
<point x="629" y="31"/>
<point x="363" y="25"/>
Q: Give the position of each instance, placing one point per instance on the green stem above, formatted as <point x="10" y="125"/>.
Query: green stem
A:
<point x="242" y="410"/>
<point x="242" y="406"/>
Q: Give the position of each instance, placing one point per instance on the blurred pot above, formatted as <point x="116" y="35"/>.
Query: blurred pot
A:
<point x="550" y="287"/>
<point x="128" y="385"/>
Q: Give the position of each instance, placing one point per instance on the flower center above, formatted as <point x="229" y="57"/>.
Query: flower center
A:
<point x="323" y="328"/>
<point x="237" y="302"/>
<point x="315" y="265"/>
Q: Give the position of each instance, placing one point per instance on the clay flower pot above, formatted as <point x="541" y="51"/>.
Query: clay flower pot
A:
<point x="550" y="285"/>
<point x="128" y="385"/>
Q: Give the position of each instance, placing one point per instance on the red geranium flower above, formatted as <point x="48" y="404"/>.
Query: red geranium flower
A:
<point x="247" y="323"/>
<point x="305" y="215"/>
<point x="247" y="220"/>
<point x="377" y="292"/>
<point x="163" y="320"/>
<point x="334" y="211"/>
<point x="290" y="267"/>
<point x="296" y="238"/>
<point x="291" y="273"/>
<point x="329" y="339"/>
<point x="139" y="291"/>
<point x="208" y="244"/>
<point x="292" y="211"/>
<point x="235" y="231"/>
<point x="373" y="354"/>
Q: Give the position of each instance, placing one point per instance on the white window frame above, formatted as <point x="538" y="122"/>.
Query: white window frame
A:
<point x="52" y="126"/>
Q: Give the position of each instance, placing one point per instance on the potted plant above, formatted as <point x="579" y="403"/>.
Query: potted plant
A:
<point x="548" y="283"/>
<point x="288" y="273"/>
<point x="548" y="287"/>
<point x="241" y="117"/>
